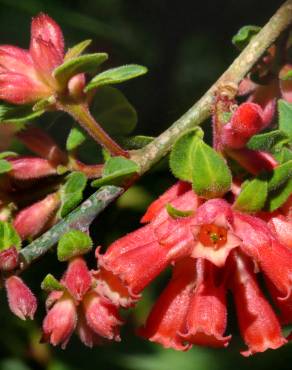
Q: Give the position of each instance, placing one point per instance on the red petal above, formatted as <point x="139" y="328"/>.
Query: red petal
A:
<point x="21" y="300"/>
<point x="282" y="229"/>
<point x="9" y="259"/>
<point x="87" y="335"/>
<point x="258" y="323"/>
<point x="167" y="317"/>
<point x="274" y="259"/>
<point x="172" y="193"/>
<point x="206" y="317"/>
<point x="286" y="85"/>
<point x="17" y="60"/>
<point x="77" y="278"/>
<point x="47" y="29"/>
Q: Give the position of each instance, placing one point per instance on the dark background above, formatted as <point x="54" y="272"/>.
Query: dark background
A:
<point x="186" y="46"/>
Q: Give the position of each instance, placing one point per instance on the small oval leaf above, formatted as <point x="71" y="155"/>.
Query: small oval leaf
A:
<point x="50" y="283"/>
<point x="116" y="75"/>
<point x="244" y="35"/>
<point x="73" y="243"/>
<point x="75" y="138"/>
<point x="77" y="49"/>
<point x="177" y="213"/>
<point x="253" y="196"/>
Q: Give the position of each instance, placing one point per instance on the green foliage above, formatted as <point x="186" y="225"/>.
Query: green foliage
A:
<point x="279" y="196"/>
<point x="253" y="196"/>
<point x="116" y="76"/>
<point x="116" y="170"/>
<point x="72" y="192"/>
<point x="285" y="117"/>
<point x="114" y="112"/>
<point x="137" y="142"/>
<point x="50" y="283"/>
<point x="77" y="49"/>
<point x="280" y="175"/>
<point x="244" y="35"/>
<point x="267" y="141"/>
<point x="287" y="76"/>
<point x="73" y="243"/>
<point x="8" y="154"/>
<point x="75" y="138"/>
<point x="177" y="213"/>
<point x="18" y="114"/>
<point x="5" y="166"/>
<point x="8" y="236"/>
<point x="194" y="161"/>
<point x="82" y="64"/>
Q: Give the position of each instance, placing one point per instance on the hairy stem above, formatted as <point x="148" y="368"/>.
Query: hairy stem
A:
<point x="153" y="152"/>
<point x="81" y="114"/>
<point x="80" y="219"/>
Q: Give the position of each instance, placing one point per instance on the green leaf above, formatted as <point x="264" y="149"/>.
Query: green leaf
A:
<point x="285" y="117"/>
<point x="287" y="76"/>
<point x="137" y="142"/>
<point x="87" y="63"/>
<point x="50" y="283"/>
<point x="72" y="192"/>
<point x="283" y="155"/>
<point x="267" y="141"/>
<point x="8" y="236"/>
<point x="278" y="197"/>
<point x="75" y="138"/>
<point x="114" y="112"/>
<point x="5" y="166"/>
<point x="18" y="114"/>
<point x="116" y="170"/>
<point x="8" y="154"/>
<point x="244" y="35"/>
<point x="181" y="160"/>
<point x="177" y="213"/>
<point x="211" y="176"/>
<point x="116" y="75"/>
<point x="280" y="175"/>
<point x="72" y="244"/>
<point x="76" y="50"/>
<point x="253" y="196"/>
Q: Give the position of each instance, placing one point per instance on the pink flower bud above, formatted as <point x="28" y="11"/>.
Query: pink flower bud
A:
<point x="102" y="316"/>
<point x="60" y="322"/>
<point x="9" y="259"/>
<point x="30" y="221"/>
<point x="76" y="85"/>
<point x="77" y="278"/>
<point x="21" y="300"/>
<point x="27" y="168"/>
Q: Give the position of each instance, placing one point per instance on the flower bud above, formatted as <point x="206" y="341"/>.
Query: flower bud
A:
<point x="60" y="322"/>
<point x="76" y="85"/>
<point x="77" y="278"/>
<point x="28" y="168"/>
<point x="9" y="259"/>
<point x="30" y="221"/>
<point x="21" y="300"/>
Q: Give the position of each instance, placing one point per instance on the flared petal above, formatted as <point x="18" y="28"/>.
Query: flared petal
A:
<point x="258" y="323"/>
<point x="167" y="317"/>
<point x="17" y="60"/>
<point x="273" y="258"/>
<point x="206" y="317"/>
<point x="86" y="334"/>
<point x="282" y="229"/>
<point x="172" y="193"/>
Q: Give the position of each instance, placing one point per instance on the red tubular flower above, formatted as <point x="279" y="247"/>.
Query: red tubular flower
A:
<point x="260" y="244"/>
<point x="258" y="323"/>
<point x="60" y="322"/>
<point x="206" y="318"/>
<point x="167" y="317"/>
<point x="77" y="278"/>
<point x="26" y="76"/>
<point x="21" y="300"/>
<point x="102" y="316"/>
<point x="30" y="221"/>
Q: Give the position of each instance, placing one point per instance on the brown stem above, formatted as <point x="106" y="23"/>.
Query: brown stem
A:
<point x="81" y="114"/>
